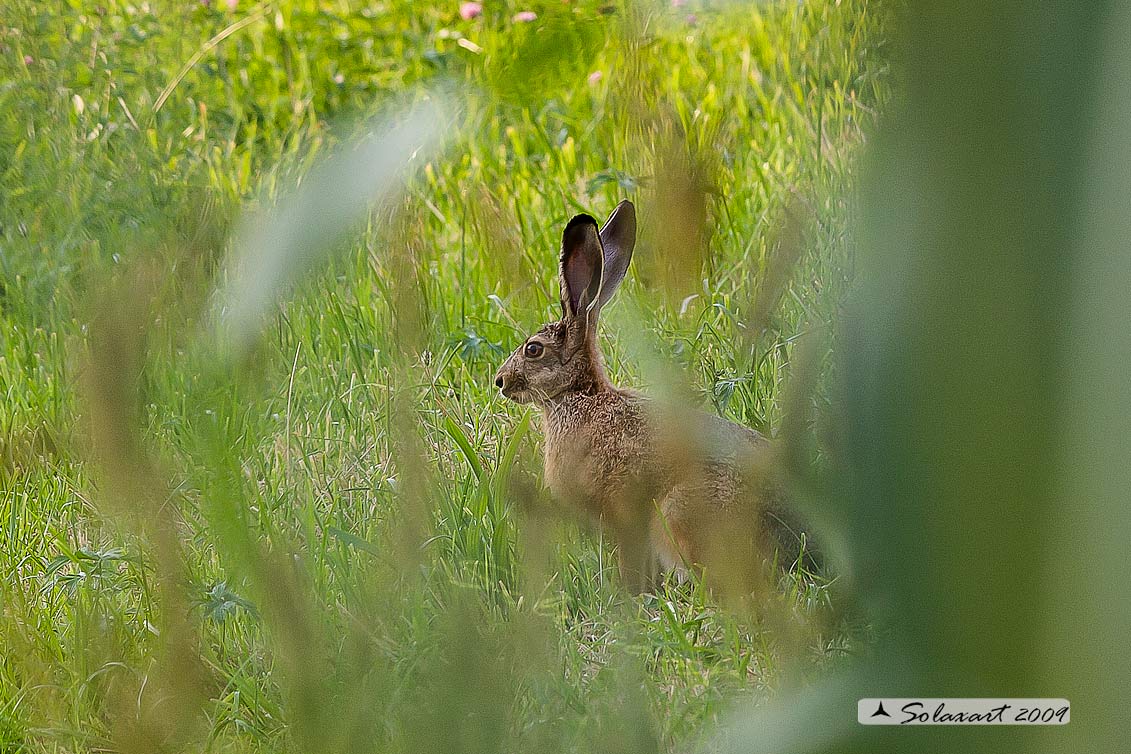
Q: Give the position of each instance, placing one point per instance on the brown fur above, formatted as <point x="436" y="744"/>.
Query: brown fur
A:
<point x="676" y="488"/>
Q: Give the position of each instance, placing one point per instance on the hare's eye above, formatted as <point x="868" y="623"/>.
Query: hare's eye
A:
<point x="533" y="350"/>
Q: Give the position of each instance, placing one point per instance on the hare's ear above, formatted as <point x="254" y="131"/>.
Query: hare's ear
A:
<point x="581" y="266"/>
<point x="618" y="238"/>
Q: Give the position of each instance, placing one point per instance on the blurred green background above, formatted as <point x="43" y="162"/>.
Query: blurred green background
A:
<point x="331" y="536"/>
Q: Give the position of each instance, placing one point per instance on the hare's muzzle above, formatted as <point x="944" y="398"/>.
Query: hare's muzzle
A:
<point x="506" y="384"/>
<point x="509" y="382"/>
<point x="504" y="379"/>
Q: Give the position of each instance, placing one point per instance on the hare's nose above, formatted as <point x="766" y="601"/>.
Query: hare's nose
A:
<point x="499" y="382"/>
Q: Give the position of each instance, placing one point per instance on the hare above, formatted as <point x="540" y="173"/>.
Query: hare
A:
<point x="676" y="488"/>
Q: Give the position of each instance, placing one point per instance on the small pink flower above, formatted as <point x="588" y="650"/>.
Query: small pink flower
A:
<point x="692" y="19"/>
<point x="595" y="77"/>
<point x="679" y="3"/>
<point x="524" y="17"/>
<point x="28" y="60"/>
<point x="468" y="11"/>
<point x="232" y="4"/>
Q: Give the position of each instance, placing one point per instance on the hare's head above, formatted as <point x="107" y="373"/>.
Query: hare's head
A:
<point x="562" y="357"/>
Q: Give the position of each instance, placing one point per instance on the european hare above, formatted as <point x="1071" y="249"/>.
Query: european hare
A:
<point x="675" y="487"/>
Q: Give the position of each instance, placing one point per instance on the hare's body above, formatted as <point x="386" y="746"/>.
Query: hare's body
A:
<point x="597" y="452"/>
<point x="669" y="501"/>
<point x="674" y="487"/>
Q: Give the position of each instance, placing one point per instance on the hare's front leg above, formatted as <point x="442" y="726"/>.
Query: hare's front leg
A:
<point x="635" y="560"/>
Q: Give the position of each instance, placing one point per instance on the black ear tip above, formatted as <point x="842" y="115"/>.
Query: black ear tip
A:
<point x="624" y="214"/>
<point x="577" y="229"/>
<point x="578" y="221"/>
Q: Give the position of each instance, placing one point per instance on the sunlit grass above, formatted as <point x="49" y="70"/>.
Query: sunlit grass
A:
<point x="359" y="566"/>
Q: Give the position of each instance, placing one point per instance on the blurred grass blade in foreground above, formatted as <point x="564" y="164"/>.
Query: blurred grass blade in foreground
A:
<point x="273" y="249"/>
<point x="981" y="529"/>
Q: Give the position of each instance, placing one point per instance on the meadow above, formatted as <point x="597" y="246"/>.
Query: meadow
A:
<point x="336" y="539"/>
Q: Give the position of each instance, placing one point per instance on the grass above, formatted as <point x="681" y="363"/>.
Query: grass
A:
<point x="322" y="546"/>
